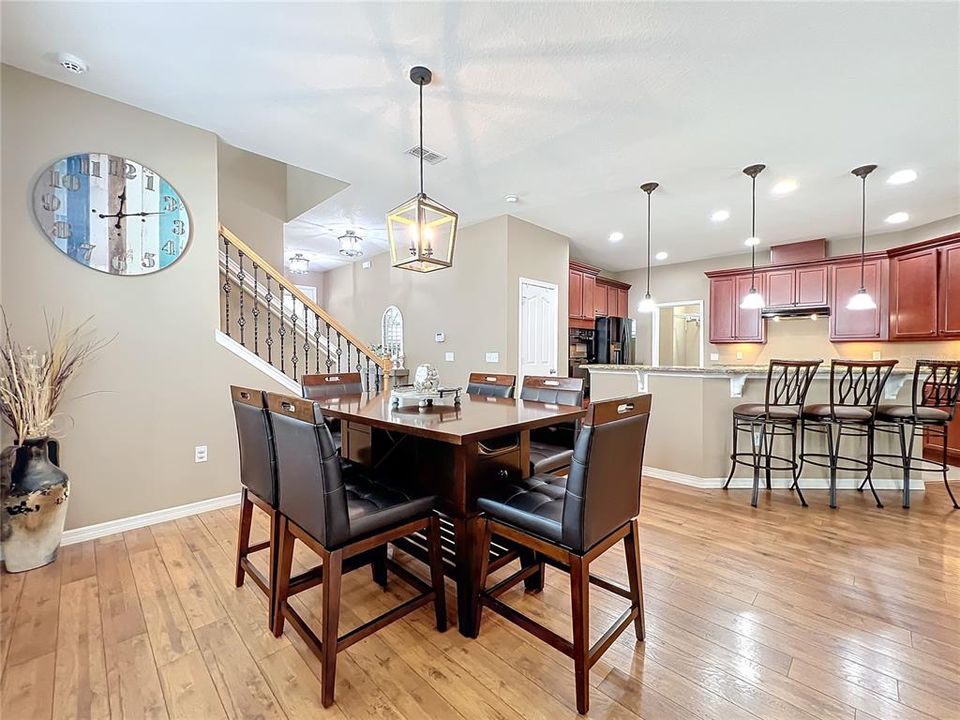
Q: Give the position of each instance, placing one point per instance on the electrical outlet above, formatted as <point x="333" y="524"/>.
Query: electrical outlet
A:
<point x="493" y="357"/>
<point x="876" y="354"/>
<point x="714" y="357"/>
<point x="448" y="356"/>
<point x="739" y="356"/>
<point x="200" y="453"/>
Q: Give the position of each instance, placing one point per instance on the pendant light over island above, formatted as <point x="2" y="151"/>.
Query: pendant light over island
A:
<point x="753" y="300"/>
<point x="647" y="305"/>
<point x="862" y="300"/>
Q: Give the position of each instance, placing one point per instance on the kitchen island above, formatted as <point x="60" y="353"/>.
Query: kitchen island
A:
<point x="690" y="434"/>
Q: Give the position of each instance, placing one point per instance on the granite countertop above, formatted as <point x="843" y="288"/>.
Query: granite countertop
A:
<point x="714" y="369"/>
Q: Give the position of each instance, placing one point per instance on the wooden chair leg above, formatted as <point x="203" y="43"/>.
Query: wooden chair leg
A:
<point x="436" y="574"/>
<point x="631" y="548"/>
<point x="580" y="601"/>
<point x="282" y="584"/>
<point x="330" y="621"/>
<point x="484" y="538"/>
<point x="379" y="567"/>
<point x="535" y="582"/>
<point x="243" y="535"/>
<point x="272" y="569"/>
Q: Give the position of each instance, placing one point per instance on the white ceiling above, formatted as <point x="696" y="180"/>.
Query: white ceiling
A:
<point x="570" y="106"/>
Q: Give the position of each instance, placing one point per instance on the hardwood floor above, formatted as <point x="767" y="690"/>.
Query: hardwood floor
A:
<point x="777" y="612"/>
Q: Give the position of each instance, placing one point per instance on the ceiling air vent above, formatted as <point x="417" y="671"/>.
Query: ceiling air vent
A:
<point x="429" y="156"/>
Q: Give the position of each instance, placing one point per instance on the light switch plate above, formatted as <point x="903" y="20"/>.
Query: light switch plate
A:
<point x="876" y="354"/>
<point x="200" y="453"/>
<point x="365" y="265"/>
<point x="739" y="356"/>
<point x="448" y="356"/>
<point x="493" y="357"/>
<point x="439" y="337"/>
<point x="714" y="357"/>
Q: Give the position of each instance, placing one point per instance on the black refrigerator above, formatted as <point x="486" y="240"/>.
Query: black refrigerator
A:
<point x="611" y="341"/>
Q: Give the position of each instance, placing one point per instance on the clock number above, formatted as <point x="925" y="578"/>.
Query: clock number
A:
<point x="61" y="229"/>
<point x="149" y="260"/>
<point x="129" y="171"/>
<point x="50" y="201"/>
<point x="170" y="204"/>
<point x="120" y="262"/>
<point x="115" y="167"/>
<point x="87" y="250"/>
<point x="90" y="168"/>
<point x="55" y="179"/>
<point x="169" y="247"/>
<point x="71" y="182"/>
<point x="148" y="179"/>
<point x="178" y="227"/>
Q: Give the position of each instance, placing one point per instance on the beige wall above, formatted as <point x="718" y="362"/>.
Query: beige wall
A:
<point x="162" y="385"/>
<point x="792" y="338"/>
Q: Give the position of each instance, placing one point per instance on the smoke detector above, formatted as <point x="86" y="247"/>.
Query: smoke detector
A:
<point x="429" y="156"/>
<point x="71" y="63"/>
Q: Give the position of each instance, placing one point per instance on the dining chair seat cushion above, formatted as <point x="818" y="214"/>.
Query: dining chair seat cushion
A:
<point x="821" y="411"/>
<point x="758" y="411"/>
<point x="375" y="503"/>
<point x="534" y="504"/>
<point x="547" y="458"/>
<point x="905" y="412"/>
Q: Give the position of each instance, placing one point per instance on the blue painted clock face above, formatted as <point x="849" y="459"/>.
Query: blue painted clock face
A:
<point x="111" y="214"/>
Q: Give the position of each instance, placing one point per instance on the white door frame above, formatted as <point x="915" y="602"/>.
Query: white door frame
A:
<point x="655" y="330"/>
<point x="556" y="340"/>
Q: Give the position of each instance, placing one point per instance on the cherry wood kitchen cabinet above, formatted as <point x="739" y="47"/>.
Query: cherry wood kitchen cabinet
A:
<point x="812" y="285"/>
<point x="847" y="325"/>
<point x="729" y="323"/>
<point x="913" y="295"/>
<point x="949" y="315"/>
<point x="575" y="299"/>
<point x="592" y="296"/>
<point x="750" y="326"/>
<point x="623" y="301"/>
<point x="790" y="287"/>
<point x="781" y="288"/>
<point x="589" y="290"/>
<point x="600" y="300"/>
<point x="613" y="307"/>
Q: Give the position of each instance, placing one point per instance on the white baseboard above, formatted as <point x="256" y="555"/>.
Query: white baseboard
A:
<point x="806" y="483"/>
<point x="91" y="532"/>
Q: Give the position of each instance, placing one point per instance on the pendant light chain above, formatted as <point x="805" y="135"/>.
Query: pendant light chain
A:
<point x="421" y="138"/>
<point x="753" y="234"/>
<point x="863" y="228"/>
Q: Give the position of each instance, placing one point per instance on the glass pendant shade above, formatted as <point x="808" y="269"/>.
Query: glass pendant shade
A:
<point x="753" y="300"/>
<point x="861" y="301"/>
<point x="299" y="265"/>
<point x="350" y="244"/>
<point x="422" y="234"/>
<point x="647" y="305"/>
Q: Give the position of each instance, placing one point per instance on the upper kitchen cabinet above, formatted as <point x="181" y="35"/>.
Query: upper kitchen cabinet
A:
<point x="949" y="316"/>
<point x="925" y="290"/>
<point x="795" y="287"/>
<point x="729" y="323"/>
<point x="848" y="325"/>
<point x="592" y="296"/>
<point x="600" y="300"/>
<point x="576" y="294"/>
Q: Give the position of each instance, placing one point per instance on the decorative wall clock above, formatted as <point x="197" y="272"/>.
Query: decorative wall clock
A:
<point x="111" y="214"/>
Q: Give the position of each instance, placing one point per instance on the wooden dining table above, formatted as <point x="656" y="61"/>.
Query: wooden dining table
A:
<point x="453" y="451"/>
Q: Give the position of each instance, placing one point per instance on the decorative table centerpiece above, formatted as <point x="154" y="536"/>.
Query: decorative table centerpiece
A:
<point x="426" y="390"/>
<point x="33" y="488"/>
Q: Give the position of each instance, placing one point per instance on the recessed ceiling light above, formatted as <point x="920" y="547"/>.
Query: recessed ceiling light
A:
<point x="662" y="255"/>
<point x="720" y="215"/>
<point x="902" y="177"/>
<point x="751" y="241"/>
<point x="71" y="63"/>
<point x="784" y="187"/>
<point x="897" y="218"/>
<point x="511" y="198"/>
<point x="616" y="236"/>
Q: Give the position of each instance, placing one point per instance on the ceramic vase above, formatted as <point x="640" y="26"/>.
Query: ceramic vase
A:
<point x="34" y="493"/>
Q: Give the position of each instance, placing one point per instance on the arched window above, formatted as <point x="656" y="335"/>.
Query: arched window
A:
<point x="392" y="332"/>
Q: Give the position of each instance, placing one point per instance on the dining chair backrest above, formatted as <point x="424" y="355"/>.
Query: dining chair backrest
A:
<point x="550" y="389"/>
<point x="258" y="468"/>
<point x="788" y="382"/>
<point x="325" y="385"/>
<point x="312" y="493"/>
<point x="936" y="384"/>
<point x="603" y="487"/>
<point x="491" y="385"/>
<point x="858" y="383"/>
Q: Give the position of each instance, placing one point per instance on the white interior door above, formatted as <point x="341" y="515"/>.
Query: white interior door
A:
<point x="539" y="308"/>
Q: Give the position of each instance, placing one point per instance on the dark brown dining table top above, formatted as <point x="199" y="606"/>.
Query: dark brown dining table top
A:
<point x="477" y="417"/>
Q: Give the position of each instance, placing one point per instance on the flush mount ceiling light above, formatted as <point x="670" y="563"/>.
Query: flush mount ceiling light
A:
<point x="350" y="244"/>
<point x="897" y="218"/>
<point x="511" y="198"/>
<point x="720" y="216"/>
<point x="421" y="231"/>
<point x="753" y="300"/>
<point x="862" y="300"/>
<point x="647" y="305"/>
<point x="902" y="177"/>
<point x="784" y="187"/>
<point x="662" y="255"/>
<point x="298" y="264"/>
<point x="71" y="63"/>
<point x="615" y="237"/>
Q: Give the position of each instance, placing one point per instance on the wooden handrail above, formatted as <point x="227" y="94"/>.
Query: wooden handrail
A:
<point x="385" y="363"/>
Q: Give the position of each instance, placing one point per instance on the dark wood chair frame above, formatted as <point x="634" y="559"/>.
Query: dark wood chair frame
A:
<point x="342" y="560"/>
<point x="578" y="566"/>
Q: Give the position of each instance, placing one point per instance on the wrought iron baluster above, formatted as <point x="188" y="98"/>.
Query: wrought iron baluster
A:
<point x="282" y="331"/>
<point x="339" y="352"/>
<point x="316" y="338"/>
<point x="268" y="298"/>
<point x="368" y="373"/>
<point x="226" y="286"/>
<point x="293" y="332"/>
<point x="241" y="320"/>
<point x="306" y="341"/>
<point x="377" y="374"/>
<point x="256" y="313"/>
<point x="329" y="358"/>
<point x="359" y="361"/>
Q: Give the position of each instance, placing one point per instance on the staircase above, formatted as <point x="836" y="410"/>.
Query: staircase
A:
<point x="264" y="317"/>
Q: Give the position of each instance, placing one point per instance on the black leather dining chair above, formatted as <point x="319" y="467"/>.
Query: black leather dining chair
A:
<point x="491" y="385"/>
<point x="571" y="524"/>
<point x="322" y="386"/>
<point x="551" y="448"/>
<point x="345" y="519"/>
<point x="936" y="391"/>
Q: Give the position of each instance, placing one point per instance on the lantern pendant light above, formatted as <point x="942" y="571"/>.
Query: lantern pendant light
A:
<point x="753" y="300"/>
<point x="647" y="305"/>
<point x="421" y="231"/>
<point x="862" y="300"/>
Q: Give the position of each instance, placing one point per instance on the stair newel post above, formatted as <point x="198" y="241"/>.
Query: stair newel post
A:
<point x="226" y="286"/>
<point x="241" y="321"/>
<point x="268" y="300"/>
<point x="255" y="311"/>
<point x="316" y="337"/>
<point x="282" y="330"/>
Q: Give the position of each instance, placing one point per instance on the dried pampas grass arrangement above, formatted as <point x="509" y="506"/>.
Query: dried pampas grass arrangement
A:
<point x="32" y="382"/>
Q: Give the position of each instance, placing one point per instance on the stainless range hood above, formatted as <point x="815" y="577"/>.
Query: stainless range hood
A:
<point x="794" y="311"/>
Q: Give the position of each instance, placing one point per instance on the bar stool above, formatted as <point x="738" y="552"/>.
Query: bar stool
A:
<point x="551" y="448"/>
<point x="345" y="520"/>
<point x="855" y="391"/>
<point x="936" y="389"/>
<point x="571" y="525"/>
<point x="491" y="385"/>
<point x="777" y="416"/>
<point x="326" y="385"/>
